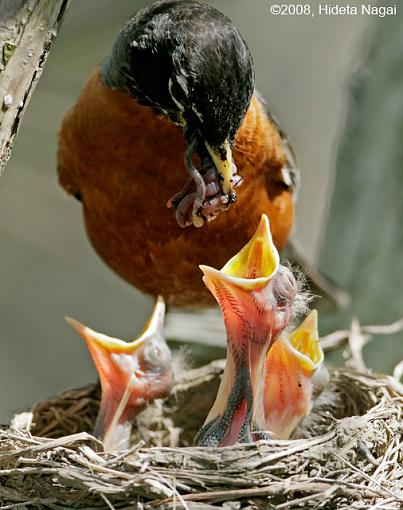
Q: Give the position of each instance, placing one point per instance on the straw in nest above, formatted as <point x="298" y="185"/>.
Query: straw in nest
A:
<point x="348" y="454"/>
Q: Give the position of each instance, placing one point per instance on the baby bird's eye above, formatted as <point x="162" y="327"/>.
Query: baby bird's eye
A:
<point x="285" y="287"/>
<point x="157" y="355"/>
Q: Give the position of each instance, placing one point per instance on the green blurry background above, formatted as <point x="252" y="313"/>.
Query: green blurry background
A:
<point x="47" y="267"/>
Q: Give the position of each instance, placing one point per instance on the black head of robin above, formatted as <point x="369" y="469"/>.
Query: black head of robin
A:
<point x="189" y="62"/>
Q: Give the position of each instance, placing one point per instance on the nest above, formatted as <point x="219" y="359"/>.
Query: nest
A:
<point x="347" y="454"/>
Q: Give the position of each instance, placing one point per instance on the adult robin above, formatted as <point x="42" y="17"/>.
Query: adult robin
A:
<point x="171" y="119"/>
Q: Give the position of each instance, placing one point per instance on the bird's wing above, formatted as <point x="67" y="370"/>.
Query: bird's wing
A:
<point x="290" y="174"/>
<point x="318" y="282"/>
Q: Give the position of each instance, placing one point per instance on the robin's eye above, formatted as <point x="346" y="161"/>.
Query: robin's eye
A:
<point x="285" y="287"/>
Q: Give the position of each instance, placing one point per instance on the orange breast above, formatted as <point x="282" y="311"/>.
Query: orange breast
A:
<point x="126" y="161"/>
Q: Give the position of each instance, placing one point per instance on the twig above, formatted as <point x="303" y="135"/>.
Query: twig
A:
<point x="300" y="501"/>
<point x="398" y="371"/>
<point x="107" y="501"/>
<point x="369" y="478"/>
<point x="356" y="341"/>
<point x="339" y="338"/>
<point x="389" y="329"/>
<point x="124" y="455"/>
<point x="276" y="488"/>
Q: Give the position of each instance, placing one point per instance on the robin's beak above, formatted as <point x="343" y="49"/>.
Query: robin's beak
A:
<point x="243" y="289"/>
<point x="131" y="374"/>
<point x="210" y="188"/>
<point x="293" y="365"/>
<point x="222" y="159"/>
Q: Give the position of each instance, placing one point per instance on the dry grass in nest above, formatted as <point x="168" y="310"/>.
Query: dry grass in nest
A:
<point x="347" y="455"/>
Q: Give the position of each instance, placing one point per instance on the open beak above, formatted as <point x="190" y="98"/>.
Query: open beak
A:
<point x="292" y="365"/>
<point x="250" y="269"/>
<point x="222" y="159"/>
<point x="131" y="374"/>
<point x="243" y="291"/>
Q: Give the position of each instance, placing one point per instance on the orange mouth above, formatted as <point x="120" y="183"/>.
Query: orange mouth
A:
<point x="245" y="289"/>
<point x="291" y="366"/>
<point x="131" y="374"/>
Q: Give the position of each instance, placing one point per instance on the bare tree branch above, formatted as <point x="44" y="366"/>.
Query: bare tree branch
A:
<point x="27" y="31"/>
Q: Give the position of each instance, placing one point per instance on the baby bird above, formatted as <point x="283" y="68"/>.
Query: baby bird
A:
<point x="295" y="374"/>
<point x="131" y="375"/>
<point x="256" y="296"/>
